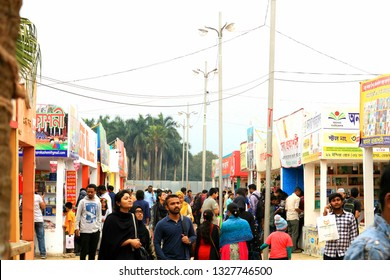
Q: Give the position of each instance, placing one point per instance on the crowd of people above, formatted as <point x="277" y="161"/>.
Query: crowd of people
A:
<point x="157" y="225"/>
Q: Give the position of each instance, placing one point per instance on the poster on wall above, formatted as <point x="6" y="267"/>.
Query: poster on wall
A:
<point x="289" y="132"/>
<point x="375" y="112"/>
<point x="51" y="131"/>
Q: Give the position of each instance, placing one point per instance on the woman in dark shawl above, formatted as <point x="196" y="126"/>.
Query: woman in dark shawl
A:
<point x="143" y="232"/>
<point x="118" y="238"/>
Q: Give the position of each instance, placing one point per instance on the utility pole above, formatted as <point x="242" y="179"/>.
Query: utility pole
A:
<point x="270" y="121"/>
<point x="206" y="77"/>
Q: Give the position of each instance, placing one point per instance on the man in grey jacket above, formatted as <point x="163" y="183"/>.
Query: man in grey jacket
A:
<point x="88" y="223"/>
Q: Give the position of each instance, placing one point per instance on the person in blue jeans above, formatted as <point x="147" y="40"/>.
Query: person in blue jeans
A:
<point x="39" y="205"/>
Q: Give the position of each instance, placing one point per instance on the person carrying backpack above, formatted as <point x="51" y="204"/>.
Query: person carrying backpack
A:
<point x="353" y="205"/>
<point x="256" y="206"/>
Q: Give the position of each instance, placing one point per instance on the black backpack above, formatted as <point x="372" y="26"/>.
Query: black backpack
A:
<point x="259" y="214"/>
<point x="197" y="205"/>
<point x="349" y="205"/>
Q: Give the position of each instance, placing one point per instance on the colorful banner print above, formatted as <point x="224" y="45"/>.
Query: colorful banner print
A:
<point x="51" y="131"/>
<point x="375" y="111"/>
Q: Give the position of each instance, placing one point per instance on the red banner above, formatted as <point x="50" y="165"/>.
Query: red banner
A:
<point x="71" y="183"/>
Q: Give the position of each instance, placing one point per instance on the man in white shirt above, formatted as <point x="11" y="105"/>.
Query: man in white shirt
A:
<point x="39" y="205"/>
<point x="292" y="208"/>
<point x="150" y="196"/>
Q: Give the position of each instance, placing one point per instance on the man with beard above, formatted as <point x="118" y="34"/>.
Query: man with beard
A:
<point x="175" y="232"/>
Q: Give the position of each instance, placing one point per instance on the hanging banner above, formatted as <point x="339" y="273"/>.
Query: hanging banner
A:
<point x="312" y="142"/>
<point x="71" y="184"/>
<point x="120" y="146"/>
<point x="243" y="156"/>
<point x="74" y="133"/>
<point x="289" y="132"/>
<point x="103" y="149"/>
<point x="250" y="149"/>
<point x="375" y="112"/>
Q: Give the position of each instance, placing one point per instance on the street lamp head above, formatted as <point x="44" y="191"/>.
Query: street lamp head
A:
<point x="203" y="31"/>
<point x="196" y="71"/>
<point x="230" y="27"/>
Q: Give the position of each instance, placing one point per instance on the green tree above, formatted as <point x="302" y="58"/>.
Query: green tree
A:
<point x="195" y="165"/>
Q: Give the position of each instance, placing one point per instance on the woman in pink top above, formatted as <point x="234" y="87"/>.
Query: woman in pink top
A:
<point x="279" y="241"/>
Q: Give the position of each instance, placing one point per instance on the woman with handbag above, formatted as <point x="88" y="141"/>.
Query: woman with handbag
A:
<point x="145" y="252"/>
<point x="119" y="241"/>
<point x="207" y="239"/>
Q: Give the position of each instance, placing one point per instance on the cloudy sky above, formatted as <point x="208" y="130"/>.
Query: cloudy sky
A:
<point x="126" y="58"/>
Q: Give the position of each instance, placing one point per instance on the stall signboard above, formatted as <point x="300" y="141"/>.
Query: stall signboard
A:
<point x="289" y="133"/>
<point x="375" y="112"/>
<point x="51" y="131"/>
<point x="231" y="166"/>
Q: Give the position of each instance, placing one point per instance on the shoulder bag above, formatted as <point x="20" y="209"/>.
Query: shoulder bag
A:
<point x="143" y="254"/>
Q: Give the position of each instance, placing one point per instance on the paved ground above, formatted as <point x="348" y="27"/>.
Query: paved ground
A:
<point x="295" y="256"/>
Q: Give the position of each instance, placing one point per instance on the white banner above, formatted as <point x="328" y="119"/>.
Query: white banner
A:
<point x="289" y="133"/>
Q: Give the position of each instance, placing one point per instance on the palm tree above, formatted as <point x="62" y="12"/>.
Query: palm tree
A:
<point x="139" y="138"/>
<point x="9" y="89"/>
<point x="28" y="56"/>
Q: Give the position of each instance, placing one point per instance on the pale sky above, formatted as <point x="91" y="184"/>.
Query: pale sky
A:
<point x="140" y="55"/>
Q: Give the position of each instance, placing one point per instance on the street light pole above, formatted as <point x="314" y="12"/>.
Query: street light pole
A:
<point x="219" y="31"/>
<point x="182" y="166"/>
<point x="206" y="76"/>
<point x="187" y="126"/>
<point x="188" y="129"/>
